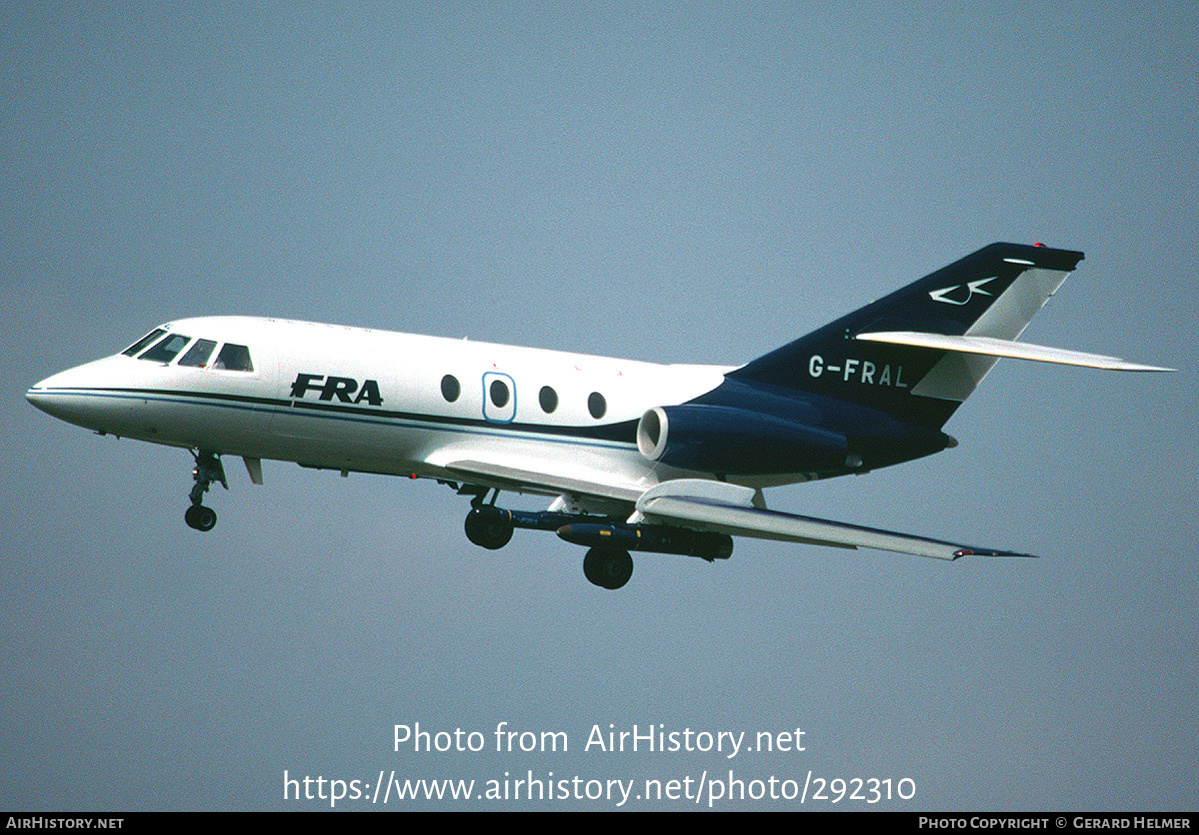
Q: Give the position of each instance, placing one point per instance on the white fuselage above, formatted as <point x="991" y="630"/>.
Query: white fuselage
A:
<point x="377" y="401"/>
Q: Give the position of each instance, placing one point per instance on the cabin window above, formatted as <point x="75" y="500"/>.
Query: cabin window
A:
<point x="234" y="358"/>
<point x="133" y="349"/>
<point x="548" y="399"/>
<point x="499" y="393"/>
<point x="450" y="389"/>
<point x="597" y="405"/>
<point x="167" y="348"/>
<point x="198" y="354"/>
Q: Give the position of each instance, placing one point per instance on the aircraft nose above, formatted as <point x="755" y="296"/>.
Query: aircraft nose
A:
<point x="71" y="395"/>
<point x="37" y="393"/>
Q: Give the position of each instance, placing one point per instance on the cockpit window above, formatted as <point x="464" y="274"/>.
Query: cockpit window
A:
<point x="167" y="346"/>
<point x="234" y="358"/>
<point x="143" y="342"/>
<point x="166" y="349"/>
<point x="198" y="354"/>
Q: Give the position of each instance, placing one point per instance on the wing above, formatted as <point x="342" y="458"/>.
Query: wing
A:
<point x="730" y="509"/>
<point x="718" y="506"/>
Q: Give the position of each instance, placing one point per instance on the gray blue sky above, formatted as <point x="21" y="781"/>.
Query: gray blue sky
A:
<point x="663" y="181"/>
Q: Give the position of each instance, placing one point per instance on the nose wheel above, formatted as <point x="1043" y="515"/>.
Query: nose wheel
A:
<point x="207" y="470"/>
<point x="200" y="517"/>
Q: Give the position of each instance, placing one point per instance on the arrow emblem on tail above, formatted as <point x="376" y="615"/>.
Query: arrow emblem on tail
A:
<point x="972" y="287"/>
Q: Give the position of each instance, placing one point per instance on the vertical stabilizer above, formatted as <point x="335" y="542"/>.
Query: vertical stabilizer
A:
<point x="993" y="293"/>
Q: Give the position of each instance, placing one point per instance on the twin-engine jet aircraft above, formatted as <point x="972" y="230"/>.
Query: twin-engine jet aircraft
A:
<point x="636" y="456"/>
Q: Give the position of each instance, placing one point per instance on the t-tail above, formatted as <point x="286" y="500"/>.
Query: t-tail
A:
<point x="917" y="353"/>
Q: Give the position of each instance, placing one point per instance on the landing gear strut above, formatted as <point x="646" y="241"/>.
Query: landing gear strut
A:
<point x="608" y="568"/>
<point x="207" y="470"/>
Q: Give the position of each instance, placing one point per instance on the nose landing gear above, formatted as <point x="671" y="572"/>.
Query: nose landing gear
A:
<point x="207" y="470"/>
<point x="200" y="517"/>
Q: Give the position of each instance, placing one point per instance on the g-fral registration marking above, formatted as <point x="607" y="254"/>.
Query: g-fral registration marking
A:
<point x="860" y="371"/>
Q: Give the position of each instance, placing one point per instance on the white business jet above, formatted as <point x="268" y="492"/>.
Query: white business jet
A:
<point x="636" y="456"/>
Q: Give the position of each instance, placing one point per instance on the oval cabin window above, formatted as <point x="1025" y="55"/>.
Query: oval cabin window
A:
<point x="597" y="405"/>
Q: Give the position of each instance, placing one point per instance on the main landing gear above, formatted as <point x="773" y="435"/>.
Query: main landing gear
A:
<point x="487" y="528"/>
<point x="491" y="527"/>
<point x="607" y="536"/>
<point x="608" y="568"/>
<point x="207" y="470"/>
<point x="487" y="525"/>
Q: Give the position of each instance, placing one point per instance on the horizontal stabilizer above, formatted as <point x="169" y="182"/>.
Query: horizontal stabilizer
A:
<point x="992" y="347"/>
<point x="739" y="520"/>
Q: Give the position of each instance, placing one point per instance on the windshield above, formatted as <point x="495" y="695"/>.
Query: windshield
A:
<point x="143" y="342"/>
<point x="167" y="348"/>
<point x="163" y="347"/>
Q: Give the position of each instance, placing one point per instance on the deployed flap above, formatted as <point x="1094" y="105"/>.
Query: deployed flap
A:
<point x="992" y="347"/>
<point x="740" y="519"/>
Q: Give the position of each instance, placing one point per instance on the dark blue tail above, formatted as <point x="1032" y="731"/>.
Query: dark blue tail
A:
<point x="992" y="293"/>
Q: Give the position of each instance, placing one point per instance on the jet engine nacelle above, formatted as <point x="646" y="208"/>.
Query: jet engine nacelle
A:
<point x="731" y="441"/>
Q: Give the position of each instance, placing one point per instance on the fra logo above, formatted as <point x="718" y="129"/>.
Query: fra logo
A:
<point x="337" y="387"/>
